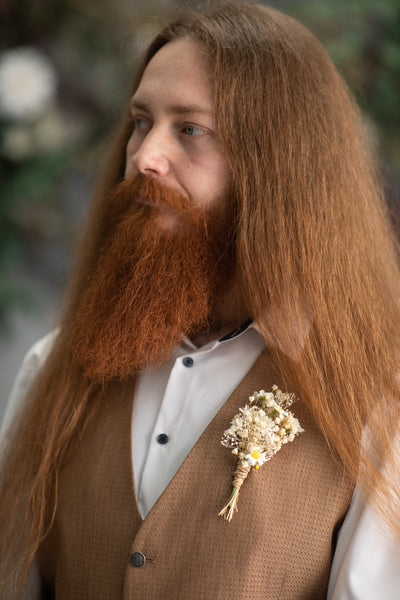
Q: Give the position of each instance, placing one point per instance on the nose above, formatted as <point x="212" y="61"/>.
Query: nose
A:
<point x="152" y="157"/>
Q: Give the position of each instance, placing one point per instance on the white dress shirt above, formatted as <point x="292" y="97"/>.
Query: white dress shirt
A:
<point x="178" y="401"/>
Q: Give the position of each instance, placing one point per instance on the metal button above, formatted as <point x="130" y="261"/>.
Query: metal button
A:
<point x="162" y="438"/>
<point x="137" y="559"/>
<point x="188" y="361"/>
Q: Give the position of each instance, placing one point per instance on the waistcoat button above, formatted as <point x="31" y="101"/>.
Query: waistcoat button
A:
<point x="137" y="559"/>
<point x="188" y="361"/>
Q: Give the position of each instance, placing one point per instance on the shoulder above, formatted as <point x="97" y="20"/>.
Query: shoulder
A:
<point x="38" y="353"/>
<point x="33" y="361"/>
<point x="367" y="557"/>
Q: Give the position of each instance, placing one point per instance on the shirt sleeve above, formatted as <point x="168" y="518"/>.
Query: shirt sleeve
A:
<point x="31" y="364"/>
<point x="366" y="564"/>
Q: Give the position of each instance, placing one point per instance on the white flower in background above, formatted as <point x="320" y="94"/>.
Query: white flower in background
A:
<point x="52" y="131"/>
<point x="17" y="142"/>
<point x="28" y="83"/>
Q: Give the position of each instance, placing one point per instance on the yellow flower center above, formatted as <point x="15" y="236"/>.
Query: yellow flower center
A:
<point x="256" y="454"/>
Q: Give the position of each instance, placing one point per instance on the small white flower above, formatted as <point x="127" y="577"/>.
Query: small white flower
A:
<point x="255" y="458"/>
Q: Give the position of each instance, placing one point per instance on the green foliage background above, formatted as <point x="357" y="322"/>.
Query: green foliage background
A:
<point x="94" y="46"/>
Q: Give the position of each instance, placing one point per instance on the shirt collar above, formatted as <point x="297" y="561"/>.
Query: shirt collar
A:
<point x="237" y="331"/>
<point x="188" y="346"/>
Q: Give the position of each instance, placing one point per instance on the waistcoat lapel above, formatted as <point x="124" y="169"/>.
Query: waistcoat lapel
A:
<point x="278" y="545"/>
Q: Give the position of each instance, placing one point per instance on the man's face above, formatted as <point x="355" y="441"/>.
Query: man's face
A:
<point x="169" y="248"/>
<point x="174" y="136"/>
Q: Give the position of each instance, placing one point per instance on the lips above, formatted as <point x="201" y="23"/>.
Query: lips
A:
<point x="145" y="201"/>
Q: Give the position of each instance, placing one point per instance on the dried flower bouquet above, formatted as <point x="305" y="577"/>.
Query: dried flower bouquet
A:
<point x="256" y="433"/>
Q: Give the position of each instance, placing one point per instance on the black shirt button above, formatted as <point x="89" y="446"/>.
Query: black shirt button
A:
<point x="162" y="438"/>
<point x="188" y="361"/>
<point x="137" y="559"/>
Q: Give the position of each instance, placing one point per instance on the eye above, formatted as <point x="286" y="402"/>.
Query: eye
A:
<point x="140" y="123"/>
<point x="193" y="130"/>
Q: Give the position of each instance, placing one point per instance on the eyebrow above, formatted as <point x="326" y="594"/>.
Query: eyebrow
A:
<point x="173" y="108"/>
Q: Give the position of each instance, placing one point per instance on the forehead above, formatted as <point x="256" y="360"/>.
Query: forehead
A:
<point x="177" y="73"/>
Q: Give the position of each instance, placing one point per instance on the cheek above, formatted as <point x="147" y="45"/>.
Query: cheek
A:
<point x="214" y="196"/>
<point x="129" y="153"/>
<point x="220" y="176"/>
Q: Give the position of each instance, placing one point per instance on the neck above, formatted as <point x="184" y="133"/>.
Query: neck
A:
<point x="229" y="312"/>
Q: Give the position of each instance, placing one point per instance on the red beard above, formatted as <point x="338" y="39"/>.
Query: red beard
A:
<point x="151" y="285"/>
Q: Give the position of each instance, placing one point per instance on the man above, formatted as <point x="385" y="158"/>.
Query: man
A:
<point x="237" y="241"/>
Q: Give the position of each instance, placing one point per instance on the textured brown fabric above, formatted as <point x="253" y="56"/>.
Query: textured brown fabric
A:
<point x="278" y="545"/>
<point x="86" y="552"/>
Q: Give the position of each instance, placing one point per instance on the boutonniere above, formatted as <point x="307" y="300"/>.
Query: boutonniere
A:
<point x="256" y="433"/>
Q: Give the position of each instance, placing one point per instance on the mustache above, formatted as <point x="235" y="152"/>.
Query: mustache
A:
<point x="143" y="192"/>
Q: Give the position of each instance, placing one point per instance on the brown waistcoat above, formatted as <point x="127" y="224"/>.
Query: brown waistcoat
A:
<point x="277" y="547"/>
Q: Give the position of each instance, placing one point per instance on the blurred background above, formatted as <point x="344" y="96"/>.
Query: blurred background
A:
<point x="65" y="72"/>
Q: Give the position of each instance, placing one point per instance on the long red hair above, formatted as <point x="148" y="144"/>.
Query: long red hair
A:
<point x="316" y="261"/>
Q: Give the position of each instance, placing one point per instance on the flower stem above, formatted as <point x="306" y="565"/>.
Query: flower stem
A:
<point x="231" y="505"/>
<point x="242" y="470"/>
